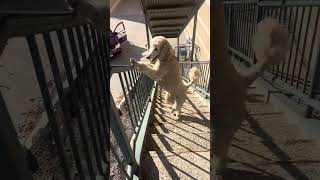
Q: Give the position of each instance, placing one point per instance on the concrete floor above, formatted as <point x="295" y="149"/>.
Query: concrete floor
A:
<point x="131" y="14"/>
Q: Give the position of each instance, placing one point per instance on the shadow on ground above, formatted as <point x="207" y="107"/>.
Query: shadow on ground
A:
<point x="175" y="147"/>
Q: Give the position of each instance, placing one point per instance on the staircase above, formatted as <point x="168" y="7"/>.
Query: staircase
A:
<point x="178" y="149"/>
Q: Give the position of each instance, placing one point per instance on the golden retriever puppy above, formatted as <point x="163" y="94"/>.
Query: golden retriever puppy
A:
<point x="161" y="65"/>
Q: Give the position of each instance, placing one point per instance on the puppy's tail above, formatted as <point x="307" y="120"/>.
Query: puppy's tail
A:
<point x="194" y="75"/>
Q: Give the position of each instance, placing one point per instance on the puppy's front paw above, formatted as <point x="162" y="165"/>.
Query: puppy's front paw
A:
<point x="133" y="61"/>
<point x="176" y="117"/>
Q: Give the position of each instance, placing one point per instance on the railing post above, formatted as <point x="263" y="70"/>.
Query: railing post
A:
<point x="259" y="16"/>
<point x="147" y="30"/>
<point x="194" y="34"/>
<point x="178" y="49"/>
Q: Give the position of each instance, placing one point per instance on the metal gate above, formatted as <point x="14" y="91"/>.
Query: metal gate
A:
<point x="76" y="102"/>
<point x="299" y="72"/>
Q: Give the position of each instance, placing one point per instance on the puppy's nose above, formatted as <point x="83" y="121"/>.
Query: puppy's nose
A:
<point x="148" y="57"/>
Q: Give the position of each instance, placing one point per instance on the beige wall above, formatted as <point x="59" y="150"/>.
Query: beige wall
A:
<point x="202" y="31"/>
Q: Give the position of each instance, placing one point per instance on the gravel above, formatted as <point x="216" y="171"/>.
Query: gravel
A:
<point x="115" y="171"/>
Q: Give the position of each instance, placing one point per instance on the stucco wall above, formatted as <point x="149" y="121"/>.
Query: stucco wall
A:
<point x="202" y="31"/>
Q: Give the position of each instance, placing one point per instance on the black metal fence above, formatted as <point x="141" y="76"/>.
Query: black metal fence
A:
<point x="137" y="90"/>
<point x="203" y="84"/>
<point x="81" y="75"/>
<point x="299" y="71"/>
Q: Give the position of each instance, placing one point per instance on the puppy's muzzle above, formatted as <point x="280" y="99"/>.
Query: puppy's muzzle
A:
<point x="152" y="60"/>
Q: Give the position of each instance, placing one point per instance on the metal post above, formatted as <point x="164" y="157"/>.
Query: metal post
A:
<point x="315" y="86"/>
<point x="259" y="16"/>
<point x="13" y="163"/>
<point x="178" y="49"/>
<point x="147" y="30"/>
<point x="194" y="34"/>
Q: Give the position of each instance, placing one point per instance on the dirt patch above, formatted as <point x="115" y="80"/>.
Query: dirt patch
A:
<point x="30" y="119"/>
<point x="115" y="171"/>
<point x="44" y="150"/>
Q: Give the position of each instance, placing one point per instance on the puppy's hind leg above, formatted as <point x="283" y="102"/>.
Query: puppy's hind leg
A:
<point x="168" y="98"/>
<point x="174" y="106"/>
<point x="178" y="107"/>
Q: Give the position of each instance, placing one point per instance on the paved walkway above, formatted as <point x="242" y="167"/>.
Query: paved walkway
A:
<point x="130" y="13"/>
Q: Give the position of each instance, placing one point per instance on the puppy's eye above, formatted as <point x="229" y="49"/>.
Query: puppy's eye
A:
<point x="156" y="49"/>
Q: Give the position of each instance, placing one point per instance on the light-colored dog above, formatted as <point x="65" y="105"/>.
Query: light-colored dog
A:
<point x="161" y="65"/>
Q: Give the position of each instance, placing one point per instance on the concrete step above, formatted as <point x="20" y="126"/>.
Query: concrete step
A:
<point x="172" y="165"/>
<point x="179" y="142"/>
<point x="184" y="118"/>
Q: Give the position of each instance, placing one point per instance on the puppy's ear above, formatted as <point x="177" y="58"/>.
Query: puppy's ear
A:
<point x="166" y="52"/>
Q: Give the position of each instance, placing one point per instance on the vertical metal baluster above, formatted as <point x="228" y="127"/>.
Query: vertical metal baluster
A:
<point x="208" y="76"/>
<point x="105" y="70"/>
<point x="237" y="29"/>
<point x="73" y="93"/>
<point x="291" y="46"/>
<point x="95" y="85"/>
<point x="136" y="79"/>
<point x="279" y="17"/>
<point x="203" y="73"/>
<point x="134" y="89"/>
<point x="63" y="102"/>
<point x="284" y="61"/>
<point x="80" y="90"/>
<point x="311" y="51"/>
<point x="304" y="47"/>
<point x="130" y="95"/>
<point x="297" y="48"/>
<point x="88" y="78"/>
<point x="242" y="28"/>
<point x="34" y="51"/>
<point x="101" y="78"/>
<point x="126" y="99"/>
<point x="247" y="29"/>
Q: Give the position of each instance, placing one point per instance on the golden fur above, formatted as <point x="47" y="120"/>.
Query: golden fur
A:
<point x="161" y="65"/>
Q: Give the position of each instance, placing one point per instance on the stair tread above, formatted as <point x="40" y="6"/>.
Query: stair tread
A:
<point x="179" y="127"/>
<point x="187" y="165"/>
<point x="178" y="142"/>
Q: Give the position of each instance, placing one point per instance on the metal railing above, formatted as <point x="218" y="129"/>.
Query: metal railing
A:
<point x="203" y="84"/>
<point x="138" y="92"/>
<point x="299" y="72"/>
<point x="77" y="56"/>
